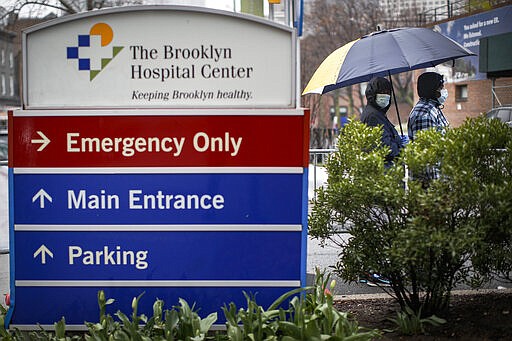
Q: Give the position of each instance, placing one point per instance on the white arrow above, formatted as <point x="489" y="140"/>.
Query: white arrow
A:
<point x="44" y="141"/>
<point x="43" y="250"/>
<point x="41" y="195"/>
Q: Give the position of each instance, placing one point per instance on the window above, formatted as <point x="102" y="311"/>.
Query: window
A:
<point x="342" y="111"/>
<point x="3" y="57"/>
<point x="3" y="85"/>
<point x="11" y="59"/>
<point x="11" y="86"/>
<point x="503" y="115"/>
<point x="461" y="93"/>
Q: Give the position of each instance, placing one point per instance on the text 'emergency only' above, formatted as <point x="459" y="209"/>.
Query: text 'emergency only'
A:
<point x="129" y="146"/>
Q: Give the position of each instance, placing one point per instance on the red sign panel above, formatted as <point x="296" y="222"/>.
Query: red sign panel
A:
<point x="159" y="141"/>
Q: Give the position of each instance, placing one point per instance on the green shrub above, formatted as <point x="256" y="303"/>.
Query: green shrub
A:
<point x="425" y="235"/>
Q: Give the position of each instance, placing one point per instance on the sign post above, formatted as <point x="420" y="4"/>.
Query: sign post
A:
<point x="157" y="153"/>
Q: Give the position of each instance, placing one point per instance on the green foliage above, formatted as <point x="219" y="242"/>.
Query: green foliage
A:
<point x="490" y="157"/>
<point x="410" y="323"/>
<point x="254" y="322"/>
<point x="190" y="325"/>
<point x="102" y="330"/>
<point x="4" y="334"/>
<point x="310" y="315"/>
<point x="180" y="323"/>
<point x="423" y="234"/>
<point x="43" y="335"/>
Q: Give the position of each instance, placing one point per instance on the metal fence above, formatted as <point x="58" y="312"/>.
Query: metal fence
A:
<point x="318" y="157"/>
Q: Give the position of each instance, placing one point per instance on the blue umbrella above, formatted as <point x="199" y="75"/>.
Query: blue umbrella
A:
<point x="381" y="54"/>
<point x="384" y="53"/>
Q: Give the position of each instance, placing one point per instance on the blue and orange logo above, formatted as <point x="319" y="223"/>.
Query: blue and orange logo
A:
<point x="93" y="51"/>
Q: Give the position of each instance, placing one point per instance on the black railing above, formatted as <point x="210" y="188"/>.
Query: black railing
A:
<point x="456" y="8"/>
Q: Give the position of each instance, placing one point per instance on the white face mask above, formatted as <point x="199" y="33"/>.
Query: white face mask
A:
<point x="444" y="95"/>
<point x="382" y="100"/>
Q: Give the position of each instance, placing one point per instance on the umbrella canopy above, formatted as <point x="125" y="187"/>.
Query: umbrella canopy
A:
<point x="381" y="54"/>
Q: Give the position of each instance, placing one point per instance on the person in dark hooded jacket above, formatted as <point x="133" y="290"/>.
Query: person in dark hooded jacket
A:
<point x="427" y="112"/>
<point x="378" y="96"/>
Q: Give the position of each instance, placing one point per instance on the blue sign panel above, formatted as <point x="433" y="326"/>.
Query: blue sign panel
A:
<point x="182" y="255"/>
<point x="158" y="198"/>
<point x="142" y="238"/>
<point x="45" y="305"/>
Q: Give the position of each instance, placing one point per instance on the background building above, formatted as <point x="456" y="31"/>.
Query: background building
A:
<point x="9" y="92"/>
<point x="393" y="8"/>
<point x="472" y="89"/>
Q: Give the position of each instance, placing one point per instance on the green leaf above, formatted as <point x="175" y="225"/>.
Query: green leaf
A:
<point x="285" y="296"/>
<point x="207" y="322"/>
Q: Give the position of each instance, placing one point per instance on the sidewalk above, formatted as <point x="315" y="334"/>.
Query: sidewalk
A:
<point x="453" y="293"/>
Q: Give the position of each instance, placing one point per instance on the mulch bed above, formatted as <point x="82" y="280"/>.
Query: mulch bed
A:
<point x="473" y="315"/>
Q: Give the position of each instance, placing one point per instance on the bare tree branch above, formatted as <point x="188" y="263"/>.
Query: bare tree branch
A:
<point x="66" y="6"/>
<point x="19" y="5"/>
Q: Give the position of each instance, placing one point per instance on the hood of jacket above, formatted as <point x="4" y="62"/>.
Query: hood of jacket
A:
<point x="428" y="85"/>
<point x="377" y="85"/>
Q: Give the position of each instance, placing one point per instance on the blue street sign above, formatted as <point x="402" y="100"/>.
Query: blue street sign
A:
<point x="206" y="238"/>
<point x="158" y="198"/>
<point x="156" y="256"/>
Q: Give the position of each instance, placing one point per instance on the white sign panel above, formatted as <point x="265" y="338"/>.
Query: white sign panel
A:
<point x="159" y="56"/>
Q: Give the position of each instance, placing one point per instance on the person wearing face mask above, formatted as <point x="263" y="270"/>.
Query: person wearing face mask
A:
<point x="427" y="112"/>
<point x="378" y="96"/>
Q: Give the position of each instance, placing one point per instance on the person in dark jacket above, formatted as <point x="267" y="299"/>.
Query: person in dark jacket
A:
<point x="378" y="96"/>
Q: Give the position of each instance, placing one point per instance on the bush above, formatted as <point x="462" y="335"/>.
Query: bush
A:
<point x="425" y="235"/>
